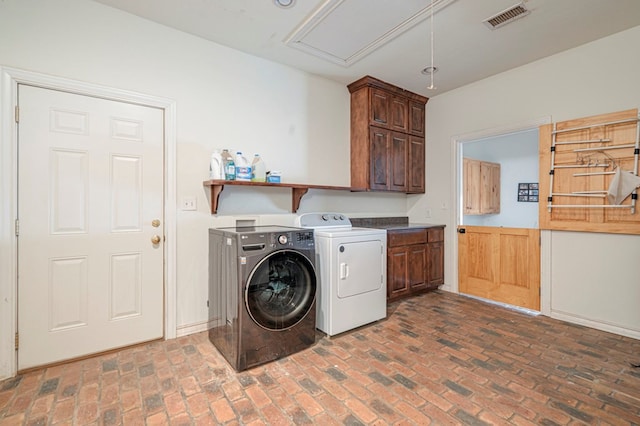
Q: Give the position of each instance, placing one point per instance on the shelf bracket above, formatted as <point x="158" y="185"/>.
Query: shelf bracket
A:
<point x="296" y="197"/>
<point x="215" y="195"/>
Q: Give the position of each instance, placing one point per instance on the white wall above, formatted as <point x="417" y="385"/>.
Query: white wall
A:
<point x="298" y="122"/>
<point x="517" y="154"/>
<point x="569" y="85"/>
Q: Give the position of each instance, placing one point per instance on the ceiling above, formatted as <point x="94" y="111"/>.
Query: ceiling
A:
<point x="344" y="40"/>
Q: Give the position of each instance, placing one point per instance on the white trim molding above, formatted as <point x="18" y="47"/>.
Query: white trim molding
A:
<point x="9" y="80"/>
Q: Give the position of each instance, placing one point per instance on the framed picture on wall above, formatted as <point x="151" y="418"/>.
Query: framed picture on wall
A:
<point x="528" y="192"/>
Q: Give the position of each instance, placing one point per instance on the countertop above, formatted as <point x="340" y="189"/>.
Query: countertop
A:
<point x="391" y="223"/>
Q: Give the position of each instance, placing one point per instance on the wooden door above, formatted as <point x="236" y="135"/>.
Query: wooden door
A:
<point x="490" y="192"/>
<point x="399" y="154"/>
<point x="417" y="118"/>
<point x="416" y="165"/>
<point x="380" y="161"/>
<point x="500" y="264"/>
<point x="397" y="275"/>
<point x="472" y="188"/>
<point x="399" y="114"/>
<point x="435" y="267"/>
<point x="587" y="153"/>
<point x="90" y="200"/>
<point x="380" y="104"/>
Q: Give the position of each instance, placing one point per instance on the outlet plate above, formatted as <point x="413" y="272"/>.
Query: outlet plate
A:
<point x="189" y="204"/>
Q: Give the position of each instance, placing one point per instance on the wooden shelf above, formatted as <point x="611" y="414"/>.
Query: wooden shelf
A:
<point x="298" y="190"/>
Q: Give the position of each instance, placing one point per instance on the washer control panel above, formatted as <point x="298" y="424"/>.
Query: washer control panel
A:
<point x="323" y="220"/>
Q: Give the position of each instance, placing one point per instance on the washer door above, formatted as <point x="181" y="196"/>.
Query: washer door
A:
<point x="281" y="290"/>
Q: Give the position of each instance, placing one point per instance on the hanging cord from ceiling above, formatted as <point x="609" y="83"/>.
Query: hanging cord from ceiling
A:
<point x="433" y="68"/>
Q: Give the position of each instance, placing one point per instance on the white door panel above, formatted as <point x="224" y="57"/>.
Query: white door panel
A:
<point x="360" y="267"/>
<point x="90" y="183"/>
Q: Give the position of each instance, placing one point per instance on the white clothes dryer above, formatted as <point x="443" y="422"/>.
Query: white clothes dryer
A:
<point x="351" y="265"/>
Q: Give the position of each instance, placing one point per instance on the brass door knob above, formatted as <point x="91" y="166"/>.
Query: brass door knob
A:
<point x="155" y="239"/>
<point x="155" y="223"/>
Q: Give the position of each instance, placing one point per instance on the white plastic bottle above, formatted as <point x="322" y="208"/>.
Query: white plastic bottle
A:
<point x="243" y="168"/>
<point x="216" y="166"/>
<point x="258" y="169"/>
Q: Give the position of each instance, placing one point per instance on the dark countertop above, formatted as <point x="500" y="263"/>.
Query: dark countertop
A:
<point x="398" y="227"/>
<point x="390" y="223"/>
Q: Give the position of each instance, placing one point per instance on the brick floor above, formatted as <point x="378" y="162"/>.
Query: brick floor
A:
<point x="437" y="359"/>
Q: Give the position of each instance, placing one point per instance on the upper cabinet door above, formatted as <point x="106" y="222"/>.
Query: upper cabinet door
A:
<point x="399" y="114"/>
<point x="417" y="118"/>
<point x="380" y="102"/>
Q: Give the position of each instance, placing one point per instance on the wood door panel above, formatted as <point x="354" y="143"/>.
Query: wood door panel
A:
<point x="416" y="118"/>
<point x="397" y="274"/>
<point x="399" y="156"/>
<point x="602" y="131"/>
<point x="501" y="264"/>
<point x="399" y="116"/>
<point x="436" y="263"/>
<point x="380" y="140"/>
<point x="417" y="266"/>
<point x="380" y="108"/>
<point x="416" y="165"/>
<point x="480" y="256"/>
<point x="514" y="264"/>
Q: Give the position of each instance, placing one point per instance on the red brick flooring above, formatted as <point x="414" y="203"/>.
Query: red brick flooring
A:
<point x="438" y="359"/>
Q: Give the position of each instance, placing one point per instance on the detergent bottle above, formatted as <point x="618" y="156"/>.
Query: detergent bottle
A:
<point x="243" y="168"/>
<point x="216" y="167"/>
<point x="258" y="169"/>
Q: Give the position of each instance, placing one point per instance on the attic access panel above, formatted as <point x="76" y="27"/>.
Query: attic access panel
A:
<point x="343" y="32"/>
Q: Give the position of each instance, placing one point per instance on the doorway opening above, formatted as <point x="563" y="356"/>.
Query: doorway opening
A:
<point x="497" y="246"/>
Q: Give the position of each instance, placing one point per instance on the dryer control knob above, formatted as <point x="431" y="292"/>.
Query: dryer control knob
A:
<point x="282" y="239"/>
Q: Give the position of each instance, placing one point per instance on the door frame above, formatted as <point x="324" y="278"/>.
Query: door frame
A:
<point x="9" y="80"/>
<point x="457" y="168"/>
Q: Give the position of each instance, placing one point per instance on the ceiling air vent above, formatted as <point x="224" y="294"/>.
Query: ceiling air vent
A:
<point x="509" y="15"/>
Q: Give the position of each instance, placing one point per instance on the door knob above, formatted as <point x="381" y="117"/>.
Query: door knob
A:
<point x="461" y="230"/>
<point x="155" y="239"/>
<point x="155" y="223"/>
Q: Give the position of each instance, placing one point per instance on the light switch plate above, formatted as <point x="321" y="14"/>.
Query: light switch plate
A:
<point x="189" y="203"/>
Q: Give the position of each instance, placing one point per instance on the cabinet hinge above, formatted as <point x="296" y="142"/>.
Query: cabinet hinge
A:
<point x="17" y="341"/>
<point x="17" y="226"/>
<point x="17" y="114"/>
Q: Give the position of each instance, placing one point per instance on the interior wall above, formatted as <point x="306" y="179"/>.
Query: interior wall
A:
<point x="298" y="122"/>
<point x="517" y="154"/>
<point x="563" y="86"/>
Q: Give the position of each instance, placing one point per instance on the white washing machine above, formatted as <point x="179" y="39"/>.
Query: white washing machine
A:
<point x="352" y="267"/>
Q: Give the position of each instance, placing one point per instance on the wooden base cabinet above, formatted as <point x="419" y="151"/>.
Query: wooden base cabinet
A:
<point x="415" y="261"/>
<point x="387" y="138"/>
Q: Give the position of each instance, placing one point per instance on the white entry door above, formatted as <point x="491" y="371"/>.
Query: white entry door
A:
<point x="90" y="225"/>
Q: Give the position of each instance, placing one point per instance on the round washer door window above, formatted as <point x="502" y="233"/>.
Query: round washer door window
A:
<point x="281" y="290"/>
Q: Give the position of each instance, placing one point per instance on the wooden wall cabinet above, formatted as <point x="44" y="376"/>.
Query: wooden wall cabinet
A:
<point x="387" y="137"/>
<point x="415" y="261"/>
<point x="481" y="187"/>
